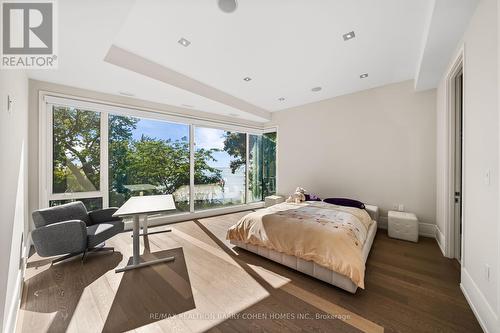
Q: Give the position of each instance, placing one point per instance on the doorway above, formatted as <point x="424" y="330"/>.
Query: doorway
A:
<point x="457" y="126"/>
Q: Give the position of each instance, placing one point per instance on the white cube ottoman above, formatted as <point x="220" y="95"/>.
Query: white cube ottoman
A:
<point x="403" y="225"/>
<point x="273" y="200"/>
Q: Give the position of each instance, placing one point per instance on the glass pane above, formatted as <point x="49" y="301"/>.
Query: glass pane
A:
<point x="255" y="168"/>
<point x="76" y="150"/>
<point x="220" y="161"/>
<point x="148" y="157"/>
<point x="269" y="163"/>
<point x="90" y="203"/>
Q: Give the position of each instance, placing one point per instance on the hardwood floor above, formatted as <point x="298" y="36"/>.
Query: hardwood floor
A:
<point x="213" y="286"/>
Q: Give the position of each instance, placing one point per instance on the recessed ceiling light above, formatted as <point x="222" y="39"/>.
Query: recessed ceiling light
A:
<point x="247" y="79"/>
<point x="126" y="93"/>
<point x="349" y="35"/>
<point x="187" y="105"/>
<point x="281" y="99"/>
<point x="227" y="6"/>
<point x="184" y="42"/>
<point x="363" y="76"/>
<point x="315" y="89"/>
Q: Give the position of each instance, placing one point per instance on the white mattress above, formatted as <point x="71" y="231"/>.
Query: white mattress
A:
<point x="309" y="267"/>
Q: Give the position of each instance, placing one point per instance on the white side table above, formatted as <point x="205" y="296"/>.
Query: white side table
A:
<point x="273" y="200"/>
<point x="403" y="225"/>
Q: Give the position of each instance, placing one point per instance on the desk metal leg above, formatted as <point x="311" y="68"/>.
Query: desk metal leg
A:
<point x="136" y="258"/>
<point x="145" y="228"/>
<point x="145" y="225"/>
<point x="136" y="244"/>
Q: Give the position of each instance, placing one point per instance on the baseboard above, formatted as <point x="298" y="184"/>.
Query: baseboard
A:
<point x="440" y="239"/>
<point x="382" y="222"/>
<point x="424" y="229"/>
<point x="15" y="303"/>
<point x="427" y="230"/>
<point x="479" y="305"/>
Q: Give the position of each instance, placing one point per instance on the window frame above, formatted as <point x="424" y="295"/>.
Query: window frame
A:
<point x="48" y="100"/>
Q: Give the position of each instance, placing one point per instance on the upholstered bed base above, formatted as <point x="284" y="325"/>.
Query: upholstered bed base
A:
<point x="309" y="267"/>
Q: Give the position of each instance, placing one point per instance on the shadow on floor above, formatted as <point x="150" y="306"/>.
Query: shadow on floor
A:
<point x="280" y="311"/>
<point x="58" y="289"/>
<point x="150" y="294"/>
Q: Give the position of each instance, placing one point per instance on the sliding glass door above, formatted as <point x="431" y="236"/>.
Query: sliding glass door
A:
<point x="219" y="168"/>
<point x="269" y="163"/>
<point x="255" y="168"/>
<point x="261" y="166"/>
<point x="103" y="157"/>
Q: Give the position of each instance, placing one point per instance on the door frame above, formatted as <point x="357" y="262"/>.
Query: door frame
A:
<point x="450" y="225"/>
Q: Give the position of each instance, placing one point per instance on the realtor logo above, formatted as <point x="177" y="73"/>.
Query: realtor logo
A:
<point x="28" y="32"/>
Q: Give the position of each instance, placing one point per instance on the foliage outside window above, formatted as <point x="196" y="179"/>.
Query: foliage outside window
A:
<point x="148" y="157"/>
<point x="76" y="150"/>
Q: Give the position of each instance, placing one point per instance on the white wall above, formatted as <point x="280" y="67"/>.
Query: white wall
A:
<point x="481" y="153"/>
<point x="377" y="146"/>
<point x="13" y="197"/>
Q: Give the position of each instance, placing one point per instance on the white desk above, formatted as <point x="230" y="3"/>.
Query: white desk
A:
<point x="135" y="207"/>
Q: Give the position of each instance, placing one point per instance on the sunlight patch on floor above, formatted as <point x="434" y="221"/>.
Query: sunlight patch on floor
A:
<point x="39" y="321"/>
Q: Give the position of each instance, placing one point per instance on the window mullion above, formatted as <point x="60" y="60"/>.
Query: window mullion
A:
<point x="104" y="179"/>
<point x="191" y="167"/>
<point x="49" y="154"/>
<point x="247" y="158"/>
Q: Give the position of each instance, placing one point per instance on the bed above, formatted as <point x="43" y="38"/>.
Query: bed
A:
<point x="328" y="242"/>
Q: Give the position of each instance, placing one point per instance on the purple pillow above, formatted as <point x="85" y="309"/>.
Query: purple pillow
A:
<point x="312" y="197"/>
<point x="345" y="202"/>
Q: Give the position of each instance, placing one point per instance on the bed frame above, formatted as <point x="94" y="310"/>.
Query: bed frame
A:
<point x="311" y="268"/>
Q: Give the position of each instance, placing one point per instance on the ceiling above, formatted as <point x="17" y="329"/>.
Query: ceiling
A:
<point x="285" y="47"/>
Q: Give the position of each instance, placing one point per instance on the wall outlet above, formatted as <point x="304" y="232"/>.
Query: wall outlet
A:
<point x="401" y="207"/>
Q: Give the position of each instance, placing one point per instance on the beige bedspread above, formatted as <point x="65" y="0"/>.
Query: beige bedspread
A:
<point x="331" y="236"/>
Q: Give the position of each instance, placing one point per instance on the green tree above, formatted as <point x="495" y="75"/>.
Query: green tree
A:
<point x="235" y="145"/>
<point x="166" y="163"/>
<point x="120" y="139"/>
<point x="76" y="153"/>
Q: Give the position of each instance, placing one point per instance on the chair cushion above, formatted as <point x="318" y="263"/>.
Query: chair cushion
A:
<point x="70" y="211"/>
<point x="98" y="233"/>
<point x="103" y="215"/>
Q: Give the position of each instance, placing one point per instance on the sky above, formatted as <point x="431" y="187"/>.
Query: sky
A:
<point x="204" y="137"/>
<point x="160" y="130"/>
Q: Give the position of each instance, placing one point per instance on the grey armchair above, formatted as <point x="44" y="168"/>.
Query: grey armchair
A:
<point x="70" y="230"/>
